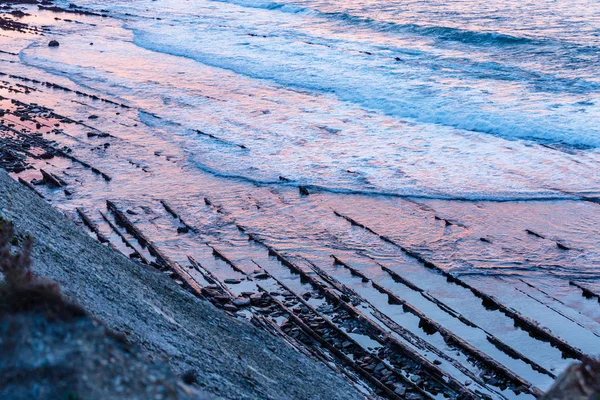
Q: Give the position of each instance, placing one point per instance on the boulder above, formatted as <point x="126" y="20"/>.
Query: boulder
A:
<point x="581" y="381"/>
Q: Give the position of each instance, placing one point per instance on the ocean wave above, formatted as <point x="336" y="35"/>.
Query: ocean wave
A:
<point x="384" y="95"/>
<point x="414" y="194"/>
<point x="420" y="100"/>
<point x="437" y="32"/>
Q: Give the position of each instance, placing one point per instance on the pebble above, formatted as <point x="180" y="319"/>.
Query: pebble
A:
<point x="379" y="367"/>
<point x="400" y="390"/>
<point x="230" y="307"/>
<point x="241" y="302"/>
<point x="222" y="298"/>
<point x="256" y="297"/>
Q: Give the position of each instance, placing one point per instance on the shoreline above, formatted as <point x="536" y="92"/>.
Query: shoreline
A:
<point x="404" y="296"/>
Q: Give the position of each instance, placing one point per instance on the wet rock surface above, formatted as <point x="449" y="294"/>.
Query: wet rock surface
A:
<point x="231" y="358"/>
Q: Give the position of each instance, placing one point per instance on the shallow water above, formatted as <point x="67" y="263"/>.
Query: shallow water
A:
<point x="464" y="132"/>
<point x="422" y="98"/>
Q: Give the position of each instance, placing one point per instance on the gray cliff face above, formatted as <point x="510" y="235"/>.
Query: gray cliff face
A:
<point x="231" y="358"/>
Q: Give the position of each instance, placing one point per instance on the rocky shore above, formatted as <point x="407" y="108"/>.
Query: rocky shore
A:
<point x="227" y="357"/>
<point x="141" y="336"/>
<point x="192" y="280"/>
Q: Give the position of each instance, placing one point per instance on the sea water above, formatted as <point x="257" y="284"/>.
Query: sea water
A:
<point x="439" y="99"/>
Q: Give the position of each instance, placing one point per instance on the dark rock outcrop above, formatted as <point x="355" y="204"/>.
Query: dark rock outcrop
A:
<point x="581" y="381"/>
